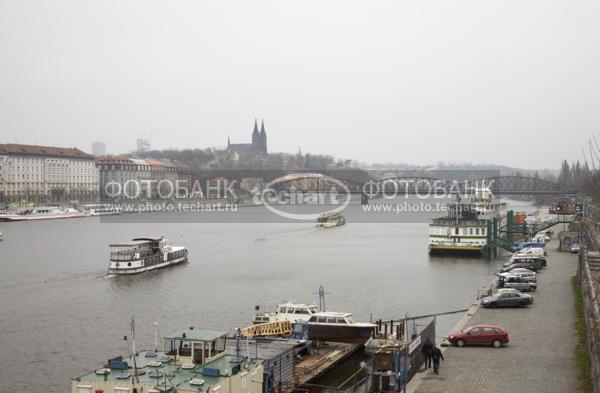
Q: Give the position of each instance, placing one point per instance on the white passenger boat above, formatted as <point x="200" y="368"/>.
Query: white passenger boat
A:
<point x="465" y="228"/>
<point x="322" y="325"/>
<point x="102" y="209"/>
<point x="144" y="254"/>
<point x="330" y="220"/>
<point x="42" y="213"/>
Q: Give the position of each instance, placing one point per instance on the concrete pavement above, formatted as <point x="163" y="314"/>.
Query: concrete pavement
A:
<point x="540" y="355"/>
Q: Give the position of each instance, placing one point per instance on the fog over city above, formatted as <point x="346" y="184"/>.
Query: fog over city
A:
<point x="508" y="82"/>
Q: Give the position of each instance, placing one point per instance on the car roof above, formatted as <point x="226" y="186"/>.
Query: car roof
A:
<point x="483" y="326"/>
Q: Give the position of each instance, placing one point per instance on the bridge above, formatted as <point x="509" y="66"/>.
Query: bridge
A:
<point x="421" y="185"/>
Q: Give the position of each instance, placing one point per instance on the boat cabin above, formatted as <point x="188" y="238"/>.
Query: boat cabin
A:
<point x="332" y="318"/>
<point x="137" y="249"/>
<point x="195" y="346"/>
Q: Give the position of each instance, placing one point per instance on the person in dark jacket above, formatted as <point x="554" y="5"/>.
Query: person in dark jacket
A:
<point x="436" y="355"/>
<point x="426" y="352"/>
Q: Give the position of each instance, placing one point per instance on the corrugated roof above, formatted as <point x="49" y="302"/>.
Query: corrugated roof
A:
<point x="198" y="335"/>
<point x="49" y="151"/>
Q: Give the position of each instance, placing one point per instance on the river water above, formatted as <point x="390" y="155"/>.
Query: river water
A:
<point x="61" y="316"/>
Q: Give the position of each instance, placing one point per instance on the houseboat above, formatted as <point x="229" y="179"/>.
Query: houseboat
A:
<point x="144" y="254"/>
<point x="330" y="220"/>
<point x="464" y="229"/>
<point x="322" y="325"/>
<point x="42" y="213"/>
<point x="188" y="361"/>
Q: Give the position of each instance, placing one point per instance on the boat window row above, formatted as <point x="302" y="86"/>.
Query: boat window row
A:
<point x="295" y="310"/>
<point x="177" y="254"/>
<point x="445" y="231"/>
<point x="328" y="319"/>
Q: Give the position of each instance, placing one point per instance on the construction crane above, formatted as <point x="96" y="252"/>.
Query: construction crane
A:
<point x="278" y="328"/>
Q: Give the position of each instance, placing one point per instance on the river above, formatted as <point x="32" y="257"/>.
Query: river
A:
<point x="61" y="316"/>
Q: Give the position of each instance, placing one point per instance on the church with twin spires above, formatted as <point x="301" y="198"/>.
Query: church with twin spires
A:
<point x="258" y="145"/>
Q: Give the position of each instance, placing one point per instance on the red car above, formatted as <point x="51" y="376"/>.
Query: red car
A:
<point x="480" y="335"/>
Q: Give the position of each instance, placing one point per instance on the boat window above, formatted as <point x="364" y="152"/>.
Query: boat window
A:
<point x="330" y="320"/>
<point x="313" y="319"/>
<point x="456" y="231"/>
<point x="321" y="319"/>
<point x="349" y="320"/>
<point x="313" y="310"/>
<point x="283" y="310"/>
<point x="302" y="311"/>
<point x="340" y="320"/>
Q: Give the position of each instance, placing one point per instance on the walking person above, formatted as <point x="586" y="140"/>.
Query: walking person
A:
<point x="426" y="352"/>
<point x="436" y="355"/>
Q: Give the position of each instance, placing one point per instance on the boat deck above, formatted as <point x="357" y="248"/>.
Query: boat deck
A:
<point x="321" y="360"/>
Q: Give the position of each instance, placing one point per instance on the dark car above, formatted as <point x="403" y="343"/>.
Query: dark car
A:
<point x="480" y="335"/>
<point x="508" y="298"/>
<point x="526" y="263"/>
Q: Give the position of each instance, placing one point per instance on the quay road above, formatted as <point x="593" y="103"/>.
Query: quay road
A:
<point x="540" y="354"/>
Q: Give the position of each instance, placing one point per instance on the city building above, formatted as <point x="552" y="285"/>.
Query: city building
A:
<point x="116" y="177"/>
<point x="257" y="147"/>
<point x="123" y="178"/>
<point x="46" y="174"/>
<point x="98" y="148"/>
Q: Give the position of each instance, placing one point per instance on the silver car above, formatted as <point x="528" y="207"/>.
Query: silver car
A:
<point x="523" y="273"/>
<point x="516" y="282"/>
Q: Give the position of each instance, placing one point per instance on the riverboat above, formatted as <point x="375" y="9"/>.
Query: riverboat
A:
<point x="330" y="220"/>
<point x="144" y="254"/>
<point x="42" y="213"/>
<point x="102" y="209"/>
<point x="464" y="229"/>
<point x="322" y="325"/>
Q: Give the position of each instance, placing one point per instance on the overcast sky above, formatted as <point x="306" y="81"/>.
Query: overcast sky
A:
<point x="506" y="82"/>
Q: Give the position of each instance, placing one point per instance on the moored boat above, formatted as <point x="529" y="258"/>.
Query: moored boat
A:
<point x="102" y="209"/>
<point x="42" y="213"/>
<point x="464" y="230"/>
<point x="144" y="254"/>
<point x="322" y="325"/>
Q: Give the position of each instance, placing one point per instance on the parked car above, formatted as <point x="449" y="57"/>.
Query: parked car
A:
<point x="480" y="335"/>
<point x="516" y="282"/>
<point x="574" y="248"/>
<point x="527" y="263"/>
<point x="523" y="245"/>
<point x="541" y="238"/>
<point x="512" y="298"/>
<point x="520" y="272"/>
<point x="529" y="252"/>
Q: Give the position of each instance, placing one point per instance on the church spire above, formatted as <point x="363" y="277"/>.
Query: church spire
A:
<point x="263" y="137"/>
<point x="255" y="136"/>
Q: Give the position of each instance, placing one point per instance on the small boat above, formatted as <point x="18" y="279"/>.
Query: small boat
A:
<point x="102" y="209"/>
<point x="42" y="213"/>
<point x="144" y="254"/>
<point x="322" y="325"/>
<point x="330" y="220"/>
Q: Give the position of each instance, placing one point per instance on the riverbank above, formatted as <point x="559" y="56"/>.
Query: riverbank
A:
<point x="540" y="356"/>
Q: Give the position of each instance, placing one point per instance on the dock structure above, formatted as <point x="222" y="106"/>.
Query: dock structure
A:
<point x="320" y="361"/>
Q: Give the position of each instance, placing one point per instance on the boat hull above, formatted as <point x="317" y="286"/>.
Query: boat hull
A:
<point x="138" y="270"/>
<point x="17" y="217"/>
<point x="340" y="333"/>
<point x="456" y="249"/>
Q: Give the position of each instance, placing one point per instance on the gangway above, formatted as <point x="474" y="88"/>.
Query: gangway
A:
<point x="278" y="328"/>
